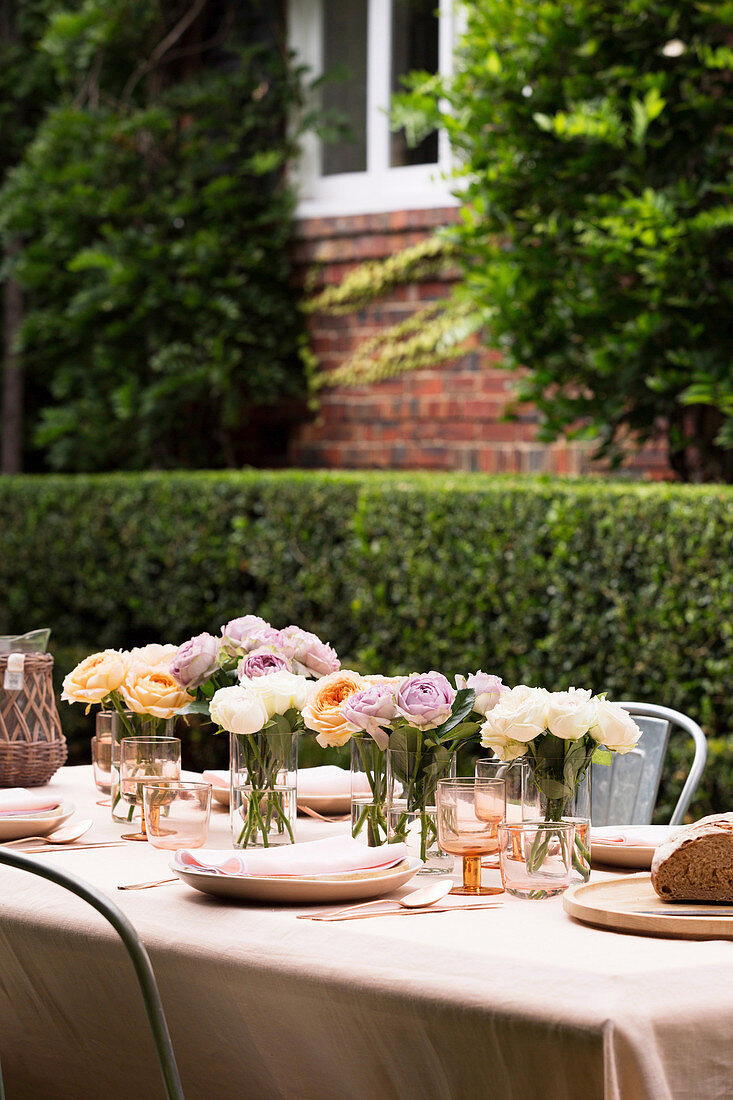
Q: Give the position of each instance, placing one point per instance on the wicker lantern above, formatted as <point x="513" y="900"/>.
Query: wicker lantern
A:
<point x="32" y="746"/>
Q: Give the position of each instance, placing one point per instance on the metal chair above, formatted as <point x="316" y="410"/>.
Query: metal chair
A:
<point x="625" y="791"/>
<point x="136" y="951"/>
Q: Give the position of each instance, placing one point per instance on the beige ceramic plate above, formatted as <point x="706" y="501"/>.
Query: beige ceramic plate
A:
<point x="629" y="855"/>
<point x="630" y="904"/>
<point x="39" y="823"/>
<point x="302" y="891"/>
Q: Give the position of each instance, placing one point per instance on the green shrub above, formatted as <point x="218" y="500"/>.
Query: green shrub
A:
<point x="624" y="588"/>
<point x="595" y="145"/>
<point x="148" y="221"/>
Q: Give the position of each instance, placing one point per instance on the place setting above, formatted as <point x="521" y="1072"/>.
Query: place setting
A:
<point x="35" y="823"/>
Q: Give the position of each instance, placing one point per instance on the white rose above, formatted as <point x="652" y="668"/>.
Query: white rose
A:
<point x="614" y="727"/>
<point x="238" y="710"/>
<point x="520" y="715"/>
<point x="503" y="747"/>
<point x="570" y="714"/>
<point x="279" y="691"/>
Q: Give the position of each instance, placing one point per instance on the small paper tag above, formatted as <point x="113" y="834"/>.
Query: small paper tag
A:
<point x="15" y="672"/>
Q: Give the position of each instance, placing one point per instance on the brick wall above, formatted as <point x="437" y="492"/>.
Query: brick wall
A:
<point x="447" y="418"/>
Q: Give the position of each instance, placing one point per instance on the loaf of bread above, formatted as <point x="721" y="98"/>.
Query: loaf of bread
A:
<point x="697" y="863"/>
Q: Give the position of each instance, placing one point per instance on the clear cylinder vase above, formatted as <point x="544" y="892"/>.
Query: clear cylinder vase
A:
<point x="412" y="782"/>
<point x="368" y="791"/>
<point x="550" y="796"/>
<point x="116" y="725"/>
<point x="263" y="788"/>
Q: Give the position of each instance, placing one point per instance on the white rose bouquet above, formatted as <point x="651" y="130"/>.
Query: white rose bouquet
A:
<point x="559" y="733"/>
<point x="263" y="716"/>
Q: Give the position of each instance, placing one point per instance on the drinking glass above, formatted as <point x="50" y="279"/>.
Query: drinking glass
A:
<point x="176" y="813"/>
<point x="144" y="758"/>
<point x="102" y="763"/>
<point x="536" y="857"/>
<point x="517" y="776"/>
<point x="469" y="813"/>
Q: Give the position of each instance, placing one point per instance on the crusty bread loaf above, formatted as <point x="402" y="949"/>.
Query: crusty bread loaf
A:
<point x="697" y="863"/>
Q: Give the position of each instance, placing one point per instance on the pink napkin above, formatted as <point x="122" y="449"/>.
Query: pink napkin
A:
<point x="333" y="856"/>
<point x="326" y="780"/>
<point x="330" y="780"/>
<point x="16" y="800"/>
<point x="217" y="779"/>
<point x="631" y="837"/>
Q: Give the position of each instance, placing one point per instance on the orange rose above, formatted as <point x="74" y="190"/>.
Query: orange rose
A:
<point x="323" y="712"/>
<point x="95" y="678"/>
<point x="153" y="691"/>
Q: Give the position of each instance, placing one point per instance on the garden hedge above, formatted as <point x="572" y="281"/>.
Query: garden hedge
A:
<point x="617" y="586"/>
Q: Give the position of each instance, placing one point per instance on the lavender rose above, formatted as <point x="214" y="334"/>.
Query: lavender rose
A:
<point x="371" y="709"/>
<point x="261" y="662"/>
<point x="310" y="656"/>
<point x="486" y="688"/>
<point x="425" y="699"/>
<point x="246" y="633"/>
<point x="195" y="660"/>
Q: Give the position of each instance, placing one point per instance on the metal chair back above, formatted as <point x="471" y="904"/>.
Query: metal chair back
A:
<point x="138" y="956"/>
<point x="625" y="791"/>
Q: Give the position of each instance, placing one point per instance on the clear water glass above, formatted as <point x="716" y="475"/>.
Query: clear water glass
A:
<point x="536" y="857"/>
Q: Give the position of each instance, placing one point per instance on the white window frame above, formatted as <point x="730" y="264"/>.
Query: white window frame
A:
<point x="381" y="188"/>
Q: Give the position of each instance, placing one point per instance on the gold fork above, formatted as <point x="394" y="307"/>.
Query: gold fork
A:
<point x="148" y="885"/>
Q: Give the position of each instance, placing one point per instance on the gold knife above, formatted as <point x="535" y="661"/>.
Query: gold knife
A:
<point x="400" y="912"/>
<point x="36" y="848"/>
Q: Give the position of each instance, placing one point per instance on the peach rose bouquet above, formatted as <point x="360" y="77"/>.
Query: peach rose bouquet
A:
<point x="139" y="687"/>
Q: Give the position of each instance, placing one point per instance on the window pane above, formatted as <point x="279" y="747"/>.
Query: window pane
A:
<point x="345" y="45"/>
<point x="414" y="46"/>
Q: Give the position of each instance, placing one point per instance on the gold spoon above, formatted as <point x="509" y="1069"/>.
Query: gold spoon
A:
<point x="65" y="834"/>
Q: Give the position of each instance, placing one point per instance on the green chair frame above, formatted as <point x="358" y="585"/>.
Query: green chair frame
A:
<point x="138" y="956"/>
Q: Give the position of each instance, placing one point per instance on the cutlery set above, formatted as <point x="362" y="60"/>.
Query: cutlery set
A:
<point x="62" y="839"/>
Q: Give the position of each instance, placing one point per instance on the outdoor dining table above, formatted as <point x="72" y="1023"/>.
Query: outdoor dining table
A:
<point x="516" y="1002"/>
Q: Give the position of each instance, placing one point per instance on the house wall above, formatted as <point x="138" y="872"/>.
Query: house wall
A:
<point x="446" y="418"/>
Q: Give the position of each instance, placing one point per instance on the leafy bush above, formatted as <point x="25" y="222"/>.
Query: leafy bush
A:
<point x="624" y="588"/>
<point x="149" y="220"/>
<point x="594" y="142"/>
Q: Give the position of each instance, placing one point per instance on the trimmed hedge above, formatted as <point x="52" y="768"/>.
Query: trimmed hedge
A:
<point x="620" y="587"/>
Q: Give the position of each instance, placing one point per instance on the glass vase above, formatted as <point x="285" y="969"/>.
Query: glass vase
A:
<point x="115" y="725"/>
<point x="368" y="791"/>
<point x="412" y="781"/>
<point x="263" y="788"/>
<point x="556" y="792"/>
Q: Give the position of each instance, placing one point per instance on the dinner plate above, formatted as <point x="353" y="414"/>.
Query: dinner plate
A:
<point x="37" y="823"/>
<point x="303" y="891"/>
<point x="629" y="855"/>
<point x="326" y="803"/>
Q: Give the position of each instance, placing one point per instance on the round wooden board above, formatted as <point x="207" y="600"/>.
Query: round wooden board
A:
<point x="629" y="904"/>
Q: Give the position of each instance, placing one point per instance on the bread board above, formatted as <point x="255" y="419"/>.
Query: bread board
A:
<point x="630" y="904"/>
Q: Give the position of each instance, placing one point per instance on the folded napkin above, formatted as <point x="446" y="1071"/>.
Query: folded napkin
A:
<point x="632" y="837"/>
<point x="217" y="778"/>
<point x="16" y="800"/>
<point x="328" y="780"/>
<point x="333" y="856"/>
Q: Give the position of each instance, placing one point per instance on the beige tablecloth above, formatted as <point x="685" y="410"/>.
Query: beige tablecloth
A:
<point x="520" y="1002"/>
